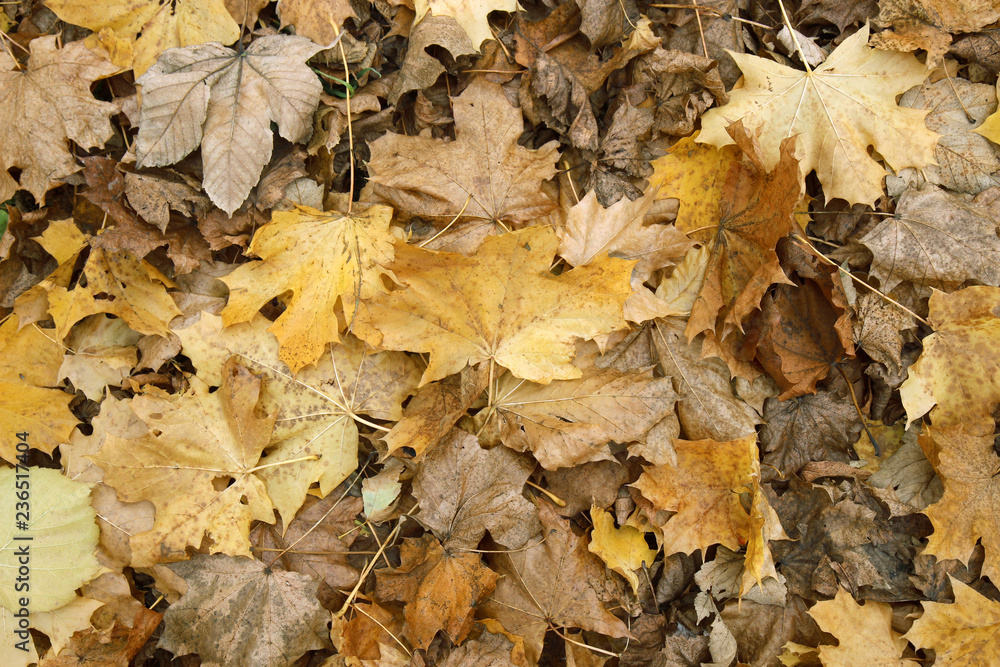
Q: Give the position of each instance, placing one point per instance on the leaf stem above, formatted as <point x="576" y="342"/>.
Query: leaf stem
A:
<point x="311" y="457"/>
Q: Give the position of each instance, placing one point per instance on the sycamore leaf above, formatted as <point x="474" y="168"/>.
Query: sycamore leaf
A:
<point x="484" y="175"/>
<point x="836" y="111"/>
<point x="552" y="584"/>
<point x="502" y="306"/>
<point x="569" y="422"/>
<point x="623" y="549"/>
<point x="153" y="26"/>
<point x="442" y="589"/>
<point x="61" y="538"/>
<point x="702" y="492"/>
<point x="967" y="465"/>
<point x="238" y="611"/>
<point x="464" y="490"/>
<point x="193" y="439"/>
<point x="46" y="105"/>
<point x="965" y="632"/>
<point x="865" y="633"/>
<point x="226" y="101"/>
<point x="959" y="369"/>
<point x="317" y="408"/>
<point x="324" y="259"/>
<point x="470" y="14"/>
<point x="935" y="239"/>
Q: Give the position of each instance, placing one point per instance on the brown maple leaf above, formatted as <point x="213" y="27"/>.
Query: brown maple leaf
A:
<point x="483" y="177"/>
<point x="464" y="490"/>
<point x="237" y="611"/>
<point x="441" y="586"/>
<point x="756" y="213"/>
<point x="45" y="105"/>
<point x="554" y="584"/>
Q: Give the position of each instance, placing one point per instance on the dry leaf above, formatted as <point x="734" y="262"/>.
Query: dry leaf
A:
<point x="483" y="176"/>
<point x="45" y="106"/>
<point x="325" y="260"/>
<point x="836" y="111"/>
<point x="237" y="611"/>
<point x="153" y="26"/>
<point x="503" y="305"/>
<point x="225" y="101"/>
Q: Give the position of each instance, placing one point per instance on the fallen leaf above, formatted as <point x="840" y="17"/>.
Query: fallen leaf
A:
<point x="569" y="422"/>
<point x="46" y="105"/>
<point x="421" y="70"/>
<point x="226" y="101"/>
<point x="435" y="409"/>
<point x="320" y="20"/>
<point x="30" y="364"/>
<point x="865" y="633"/>
<point x="961" y="633"/>
<point x="152" y="26"/>
<point x="464" y="490"/>
<point x="315" y="543"/>
<point x="623" y="549"/>
<point x="317" y="409"/>
<point x="591" y="231"/>
<point x="965" y="162"/>
<point x="59" y="535"/>
<point x="696" y="174"/>
<point x="701" y="493"/>
<point x="802" y="331"/>
<point x="757" y="211"/>
<point x="471" y="15"/>
<point x="325" y="260"/>
<point x="550" y="585"/>
<point x="707" y="406"/>
<point x="503" y="305"/>
<point x="958" y="371"/>
<point x="118" y="284"/>
<point x="936" y="239"/>
<point x="193" y="439"/>
<point x="442" y="589"/>
<point x="835" y="111"/>
<point x="966" y="463"/>
<point x="484" y="175"/>
<point x="238" y="611"/>
<point x="818" y="427"/>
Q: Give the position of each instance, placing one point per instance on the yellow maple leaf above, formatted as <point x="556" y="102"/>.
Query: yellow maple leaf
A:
<point x="958" y="373"/>
<point x="623" y="549"/>
<point x="836" y="111"/>
<point x="958" y="631"/>
<point x="470" y="14"/>
<point x="194" y="439"/>
<point x="119" y="284"/>
<point x="695" y="174"/>
<point x="967" y="511"/>
<point x="321" y="258"/>
<point x="153" y="25"/>
<point x="503" y="306"/>
<point x="865" y="633"/>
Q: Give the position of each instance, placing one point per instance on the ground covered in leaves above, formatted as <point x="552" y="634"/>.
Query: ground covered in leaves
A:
<point x="421" y="332"/>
